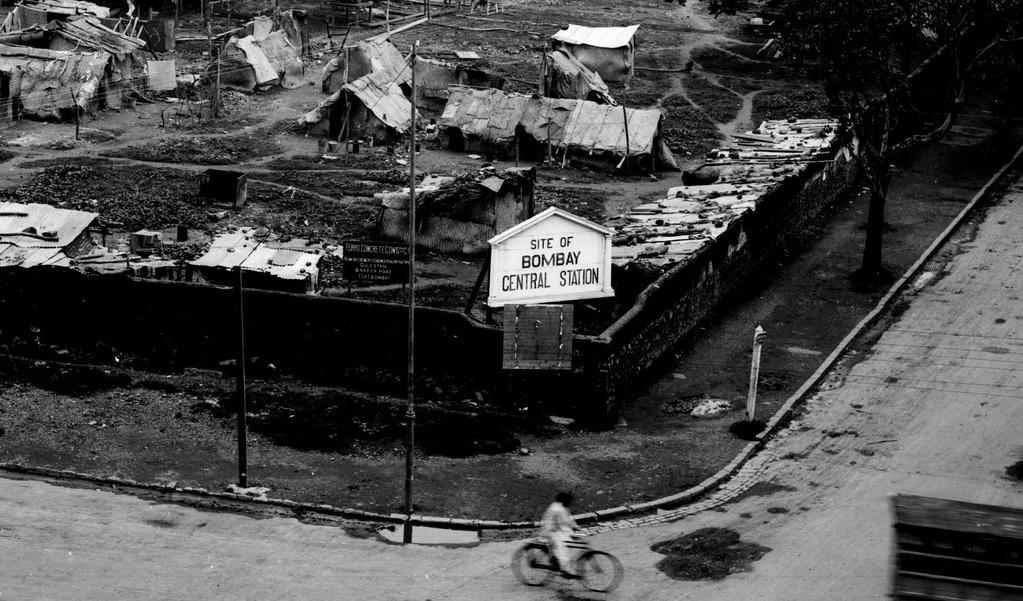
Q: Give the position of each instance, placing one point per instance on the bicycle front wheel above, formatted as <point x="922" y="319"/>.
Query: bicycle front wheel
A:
<point x="531" y="564"/>
<point x="600" y="571"/>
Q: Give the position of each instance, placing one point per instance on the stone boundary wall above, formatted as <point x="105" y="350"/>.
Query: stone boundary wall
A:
<point x="668" y="310"/>
<point x="168" y="326"/>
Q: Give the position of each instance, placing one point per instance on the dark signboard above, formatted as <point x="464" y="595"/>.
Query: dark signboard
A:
<point x="382" y="262"/>
<point x="537" y="337"/>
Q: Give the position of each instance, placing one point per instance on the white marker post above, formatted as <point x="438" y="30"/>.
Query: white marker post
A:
<point x="754" y="371"/>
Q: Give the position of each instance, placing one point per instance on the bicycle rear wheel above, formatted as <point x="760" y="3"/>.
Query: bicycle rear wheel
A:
<point x="600" y="571"/>
<point x="531" y="564"/>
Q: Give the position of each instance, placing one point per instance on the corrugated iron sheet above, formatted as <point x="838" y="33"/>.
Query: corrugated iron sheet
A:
<point x="601" y="37"/>
<point x="241" y="248"/>
<point x="494" y="115"/>
<point x="16" y="219"/>
<point x="14" y="256"/>
<point x="384" y="99"/>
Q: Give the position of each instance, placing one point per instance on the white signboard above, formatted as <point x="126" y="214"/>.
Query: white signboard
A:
<point x="554" y="256"/>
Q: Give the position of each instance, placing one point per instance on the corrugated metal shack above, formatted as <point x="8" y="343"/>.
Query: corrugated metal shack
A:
<point x="59" y="55"/>
<point x="494" y="122"/>
<point x="267" y="263"/>
<point x="690" y="217"/>
<point x="459" y="215"/>
<point x="371" y="106"/>
<point x="368" y="56"/>
<point x="38" y="234"/>
<point x="266" y="53"/>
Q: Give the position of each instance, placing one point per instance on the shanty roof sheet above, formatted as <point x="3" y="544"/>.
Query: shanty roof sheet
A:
<point x="490" y="114"/>
<point x="16" y="256"/>
<point x="384" y="98"/>
<point x="601" y="37"/>
<point x="91" y="33"/>
<point x="494" y="115"/>
<point x="384" y="57"/>
<point x="241" y="248"/>
<point x="31" y="225"/>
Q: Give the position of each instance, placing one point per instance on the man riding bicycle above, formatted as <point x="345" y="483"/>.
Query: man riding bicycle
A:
<point x="557" y="528"/>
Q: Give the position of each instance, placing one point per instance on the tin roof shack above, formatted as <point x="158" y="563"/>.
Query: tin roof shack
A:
<point x="51" y="85"/>
<point x="564" y="76"/>
<point x="371" y="106"/>
<point x="433" y="77"/>
<point x="654" y="236"/>
<point x="266" y="53"/>
<point x="610" y="51"/>
<point x="38" y="234"/>
<point x="492" y="121"/>
<point x="63" y="55"/>
<point x="78" y="33"/>
<point x="459" y="215"/>
<point x="369" y="56"/>
<point x="268" y="263"/>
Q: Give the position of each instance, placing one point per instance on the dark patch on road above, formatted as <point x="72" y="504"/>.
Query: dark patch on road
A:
<point x="161" y="522"/>
<point x="1015" y="470"/>
<point x="707" y="554"/>
<point x="837" y="433"/>
<point x="998" y="350"/>
<point x="777" y="510"/>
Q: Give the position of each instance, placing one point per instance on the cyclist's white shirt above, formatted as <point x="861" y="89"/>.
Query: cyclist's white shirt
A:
<point x="557" y="520"/>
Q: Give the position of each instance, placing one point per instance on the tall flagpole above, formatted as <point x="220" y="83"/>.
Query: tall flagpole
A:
<point x="410" y="412"/>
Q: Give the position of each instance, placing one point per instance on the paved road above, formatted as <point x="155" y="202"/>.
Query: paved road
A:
<point x="932" y="407"/>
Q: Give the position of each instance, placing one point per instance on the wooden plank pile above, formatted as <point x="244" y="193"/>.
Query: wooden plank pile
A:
<point x="689" y="217"/>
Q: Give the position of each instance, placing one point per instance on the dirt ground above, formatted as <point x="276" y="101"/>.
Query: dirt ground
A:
<point x="145" y="176"/>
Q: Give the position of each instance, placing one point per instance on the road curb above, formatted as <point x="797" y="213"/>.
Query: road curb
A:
<point x="603" y="516"/>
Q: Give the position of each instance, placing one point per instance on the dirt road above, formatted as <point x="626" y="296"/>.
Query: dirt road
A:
<point x="931" y="407"/>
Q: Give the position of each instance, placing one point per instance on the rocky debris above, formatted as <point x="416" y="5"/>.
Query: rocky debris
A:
<point x="711" y="408"/>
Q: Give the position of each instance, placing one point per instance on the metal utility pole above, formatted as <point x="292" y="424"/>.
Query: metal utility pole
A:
<point x="242" y="425"/>
<point x="754" y="371"/>
<point x="410" y="411"/>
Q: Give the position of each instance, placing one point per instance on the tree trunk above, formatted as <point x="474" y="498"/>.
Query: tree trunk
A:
<point x="872" y="264"/>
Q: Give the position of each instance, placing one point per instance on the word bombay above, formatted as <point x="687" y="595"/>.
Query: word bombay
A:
<point x="554" y="256"/>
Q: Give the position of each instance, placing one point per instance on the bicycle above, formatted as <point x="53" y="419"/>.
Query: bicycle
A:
<point x="598" y="571"/>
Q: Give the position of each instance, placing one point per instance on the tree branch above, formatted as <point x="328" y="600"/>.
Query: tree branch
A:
<point x="994" y="44"/>
<point x="925" y="138"/>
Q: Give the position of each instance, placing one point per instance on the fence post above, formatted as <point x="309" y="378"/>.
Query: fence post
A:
<point x="754" y="371"/>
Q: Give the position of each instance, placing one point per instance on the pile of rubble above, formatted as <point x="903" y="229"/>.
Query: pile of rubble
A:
<point x="732" y="182"/>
